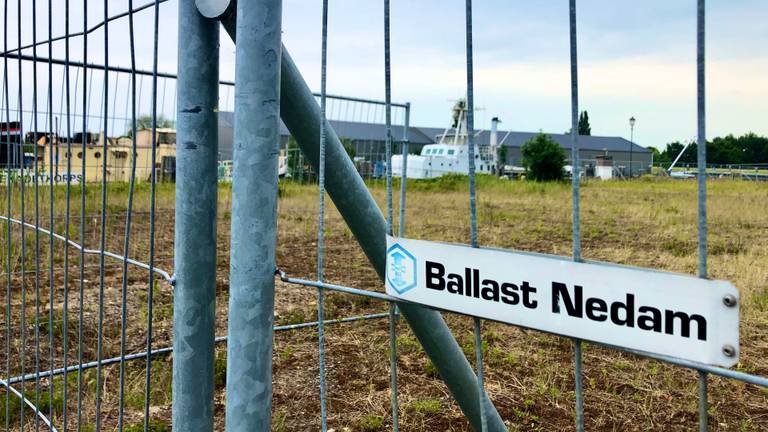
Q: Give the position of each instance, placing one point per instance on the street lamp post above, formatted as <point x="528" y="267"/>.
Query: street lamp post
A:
<point x="631" y="141"/>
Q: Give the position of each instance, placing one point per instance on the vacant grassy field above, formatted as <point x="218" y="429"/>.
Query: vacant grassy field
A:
<point x="650" y="223"/>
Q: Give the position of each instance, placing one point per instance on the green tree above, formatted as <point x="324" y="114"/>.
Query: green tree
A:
<point x="145" y="122"/>
<point x="754" y="148"/>
<point x="543" y="159"/>
<point x="724" y="150"/>
<point x="502" y="156"/>
<point x="728" y="150"/>
<point x="674" y="148"/>
<point x="584" y="127"/>
<point x="658" y="156"/>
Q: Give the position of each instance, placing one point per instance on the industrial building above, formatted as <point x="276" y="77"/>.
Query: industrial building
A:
<point x="368" y="141"/>
<point x="88" y="148"/>
<point x="621" y="150"/>
<point x="117" y="160"/>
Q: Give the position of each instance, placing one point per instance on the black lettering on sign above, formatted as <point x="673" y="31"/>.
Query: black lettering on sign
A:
<point x="652" y="322"/>
<point x="527" y="291"/>
<point x="470" y="283"/>
<point x="490" y="290"/>
<point x="467" y="281"/>
<point x="560" y="291"/>
<point x="435" y="272"/>
<point x="625" y="313"/>
<point x="595" y="307"/>
<point x="629" y="312"/>
<point x="509" y="294"/>
<point x="455" y="284"/>
<point x="685" y="324"/>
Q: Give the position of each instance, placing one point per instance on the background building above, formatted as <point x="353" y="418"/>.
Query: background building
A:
<point x="590" y="147"/>
<point x="117" y="157"/>
<point x="367" y="141"/>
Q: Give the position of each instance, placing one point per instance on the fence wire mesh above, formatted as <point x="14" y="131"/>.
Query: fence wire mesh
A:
<point x="87" y="148"/>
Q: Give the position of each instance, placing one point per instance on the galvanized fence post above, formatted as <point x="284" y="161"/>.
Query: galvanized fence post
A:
<point x="390" y="221"/>
<point x="321" y="224"/>
<point x="481" y="394"/>
<point x="254" y="215"/>
<point x="576" y="203"/>
<point x="194" y="299"/>
<point x="701" y="144"/>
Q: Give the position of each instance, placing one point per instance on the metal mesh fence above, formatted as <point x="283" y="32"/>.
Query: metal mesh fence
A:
<point x="82" y="138"/>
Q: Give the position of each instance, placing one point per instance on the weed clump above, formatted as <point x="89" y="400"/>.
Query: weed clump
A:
<point x="371" y="423"/>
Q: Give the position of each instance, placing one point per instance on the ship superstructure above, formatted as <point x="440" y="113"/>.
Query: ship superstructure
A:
<point x="450" y="154"/>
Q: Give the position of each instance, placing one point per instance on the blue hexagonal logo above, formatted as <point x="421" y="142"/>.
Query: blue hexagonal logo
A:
<point x="401" y="269"/>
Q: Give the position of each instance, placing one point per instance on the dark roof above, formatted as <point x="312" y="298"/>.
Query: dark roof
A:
<point x="517" y="139"/>
<point x="430" y="135"/>
<point x="586" y="142"/>
<point x="377" y="132"/>
<point x="345" y="129"/>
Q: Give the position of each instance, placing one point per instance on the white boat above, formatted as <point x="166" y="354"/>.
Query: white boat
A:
<point x="681" y="174"/>
<point x="450" y="154"/>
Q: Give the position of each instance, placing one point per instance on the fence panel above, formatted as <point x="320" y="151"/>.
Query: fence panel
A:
<point x="91" y="270"/>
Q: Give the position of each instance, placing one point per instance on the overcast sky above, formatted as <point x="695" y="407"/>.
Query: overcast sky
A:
<point x="635" y="59"/>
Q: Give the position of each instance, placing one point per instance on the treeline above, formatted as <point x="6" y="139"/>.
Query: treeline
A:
<point x="746" y="149"/>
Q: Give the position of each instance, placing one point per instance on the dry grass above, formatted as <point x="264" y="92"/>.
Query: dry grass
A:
<point x="648" y="223"/>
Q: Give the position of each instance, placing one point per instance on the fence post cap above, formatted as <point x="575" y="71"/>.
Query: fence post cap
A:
<point x="212" y="8"/>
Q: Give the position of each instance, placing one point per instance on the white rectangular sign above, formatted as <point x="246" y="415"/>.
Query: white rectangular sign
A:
<point x="657" y="312"/>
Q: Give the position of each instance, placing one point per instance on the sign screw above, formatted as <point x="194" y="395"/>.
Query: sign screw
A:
<point x="729" y="300"/>
<point x="729" y="350"/>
